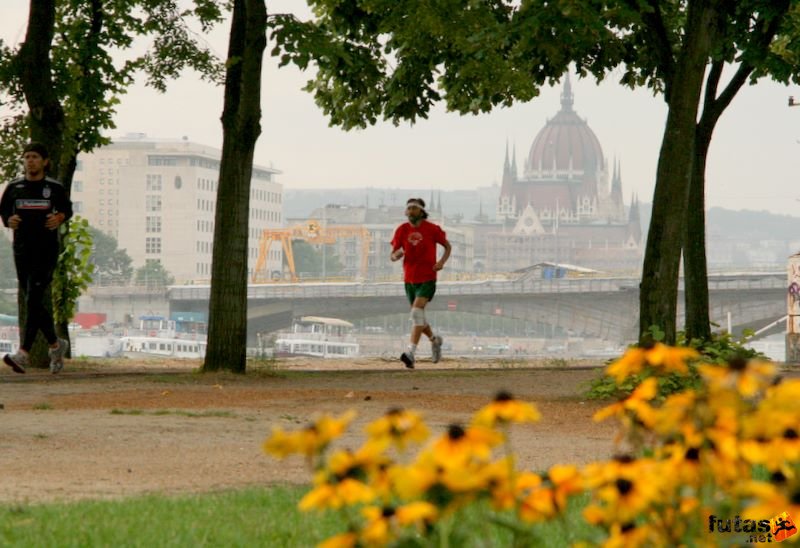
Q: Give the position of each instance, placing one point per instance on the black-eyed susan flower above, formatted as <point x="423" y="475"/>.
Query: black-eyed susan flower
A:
<point x="378" y="529"/>
<point x="747" y="377"/>
<point x="343" y="540"/>
<point x="505" y="409"/>
<point x="419" y="513"/>
<point x="772" y="499"/>
<point x="538" y="505"/>
<point x="628" y="490"/>
<point x="566" y="480"/>
<point x="347" y="492"/>
<point x="413" y="481"/>
<point x="637" y="404"/>
<point x="311" y="440"/>
<point x="366" y="459"/>
<point x="399" y="427"/>
<point x="631" y="535"/>
<point x="666" y="359"/>
<point x="281" y="444"/>
<point x="461" y="444"/>
<point x="674" y="413"/>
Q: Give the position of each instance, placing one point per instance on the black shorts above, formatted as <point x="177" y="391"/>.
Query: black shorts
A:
<point x="424" y="289"/>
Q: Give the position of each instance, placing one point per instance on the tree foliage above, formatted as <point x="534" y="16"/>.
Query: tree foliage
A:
<point x="74" y="271"/>
<point x="153" y="275"/>
<point x="394" y="59"/>
<point x="308" y="260"/>
<point x="113" y="266"/>
<point x="62" y="83"/>
<point x="90" y="68"/>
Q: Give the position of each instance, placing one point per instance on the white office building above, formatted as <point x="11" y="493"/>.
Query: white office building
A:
<point x="158" y="198"/>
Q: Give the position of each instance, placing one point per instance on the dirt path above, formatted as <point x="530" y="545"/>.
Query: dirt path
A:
<point x="123" y="428"/>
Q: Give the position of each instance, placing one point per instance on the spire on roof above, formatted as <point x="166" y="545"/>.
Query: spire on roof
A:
<point x="566" y="95"/>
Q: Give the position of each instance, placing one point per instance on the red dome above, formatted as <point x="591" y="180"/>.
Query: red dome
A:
<point x="567" y="143"/>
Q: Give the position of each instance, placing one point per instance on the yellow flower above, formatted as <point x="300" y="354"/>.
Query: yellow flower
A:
<point x="675" y="411"/>
<point x="631" y="363"/>
<point x="281" y="444"/>
<point x="345" y="493"/>
<point x="668" y="359"/>
<point x="566" y="480"/>
<point x="459" y="445"/>
<point x="416" y="513"/>
<point x="309" y="441"/>
<point x="382" y="522"/>
<point x="774" y="454"/>
<point x="399" y="427"/>
<point x="743" y="376"/>
<point x="635" y="403"/>
<point x="538" y="505"/>
<point x="505" y="409"/>
<point x="624" y="488"/>
<point x="773" y="499"/>
<point x="412" y="481"/>
<point x="367" y="458"/>
<point x="344" y="540"/>
<point x="629" y="535"/>
<point x="377" y="529"/>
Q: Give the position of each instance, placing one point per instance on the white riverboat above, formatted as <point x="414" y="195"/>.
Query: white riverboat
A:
<point x="7" y="346"/>
<point x="319" y="337"/>
<point x="159" y="337"/>
<point x="162" y="347"/>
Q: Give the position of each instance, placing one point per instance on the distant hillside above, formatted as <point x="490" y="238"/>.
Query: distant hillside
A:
<point x="752" y="225"/>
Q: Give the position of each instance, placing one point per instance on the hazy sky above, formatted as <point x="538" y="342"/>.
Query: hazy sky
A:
<point x="754" y="161"/>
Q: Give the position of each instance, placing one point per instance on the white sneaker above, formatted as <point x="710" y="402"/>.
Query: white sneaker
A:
<point x="57" y="356"/>
<point x="17" y="361"/>
<point x="436" y="348"/>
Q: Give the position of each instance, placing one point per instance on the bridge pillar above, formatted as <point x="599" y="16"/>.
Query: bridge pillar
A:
<point x="793" y="311"/>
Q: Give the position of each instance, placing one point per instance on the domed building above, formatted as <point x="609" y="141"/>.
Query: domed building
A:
<point x="562" y="208"/>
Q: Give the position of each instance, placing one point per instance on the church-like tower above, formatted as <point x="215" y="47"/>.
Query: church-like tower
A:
<point x="565" y="177"/>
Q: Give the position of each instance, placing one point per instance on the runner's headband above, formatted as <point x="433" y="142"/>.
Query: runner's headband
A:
<point x="415" y="202"/>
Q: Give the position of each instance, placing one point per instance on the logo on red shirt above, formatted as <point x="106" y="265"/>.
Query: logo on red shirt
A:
<point x="414" y="238"/>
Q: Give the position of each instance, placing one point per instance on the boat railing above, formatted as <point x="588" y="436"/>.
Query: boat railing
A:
<point x="309" y="336"/>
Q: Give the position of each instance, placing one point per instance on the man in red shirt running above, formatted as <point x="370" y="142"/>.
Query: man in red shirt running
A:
<point x="415" y="242"/>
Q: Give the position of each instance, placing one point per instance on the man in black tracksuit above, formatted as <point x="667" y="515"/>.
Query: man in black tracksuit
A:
<point x="34" y="207"/>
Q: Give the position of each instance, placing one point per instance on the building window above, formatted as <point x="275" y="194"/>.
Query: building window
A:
<point x="77" y="186"/>
<point x="77" y="207"/>
<point x="153" y="224"/>
<point x="162" y="160"/>
<point x="153" y="203"/>
<point x="153" y="183"/>
<point x="152" y="245"/>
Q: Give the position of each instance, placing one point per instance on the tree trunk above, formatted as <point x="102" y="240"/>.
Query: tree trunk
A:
<point x="46" y="120"/>
<point x="697" y="322"/>
<point x="658" y="296"/>
<point x="241" y="126"/>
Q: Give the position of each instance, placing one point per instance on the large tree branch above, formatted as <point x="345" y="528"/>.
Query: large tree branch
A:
<point x="660" y="42"/>
<point x="764" y="33"/>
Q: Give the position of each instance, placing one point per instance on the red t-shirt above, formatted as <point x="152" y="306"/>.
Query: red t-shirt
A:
<point x="419" y="250"/>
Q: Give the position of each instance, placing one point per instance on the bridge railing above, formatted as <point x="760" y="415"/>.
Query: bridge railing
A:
<point x="477" y="287"/>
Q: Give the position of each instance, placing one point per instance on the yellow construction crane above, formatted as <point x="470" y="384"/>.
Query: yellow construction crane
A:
<point x="313" y="233"/>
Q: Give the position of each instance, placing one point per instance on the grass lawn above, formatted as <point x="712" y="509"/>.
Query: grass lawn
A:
<point x="253" y="517"/>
